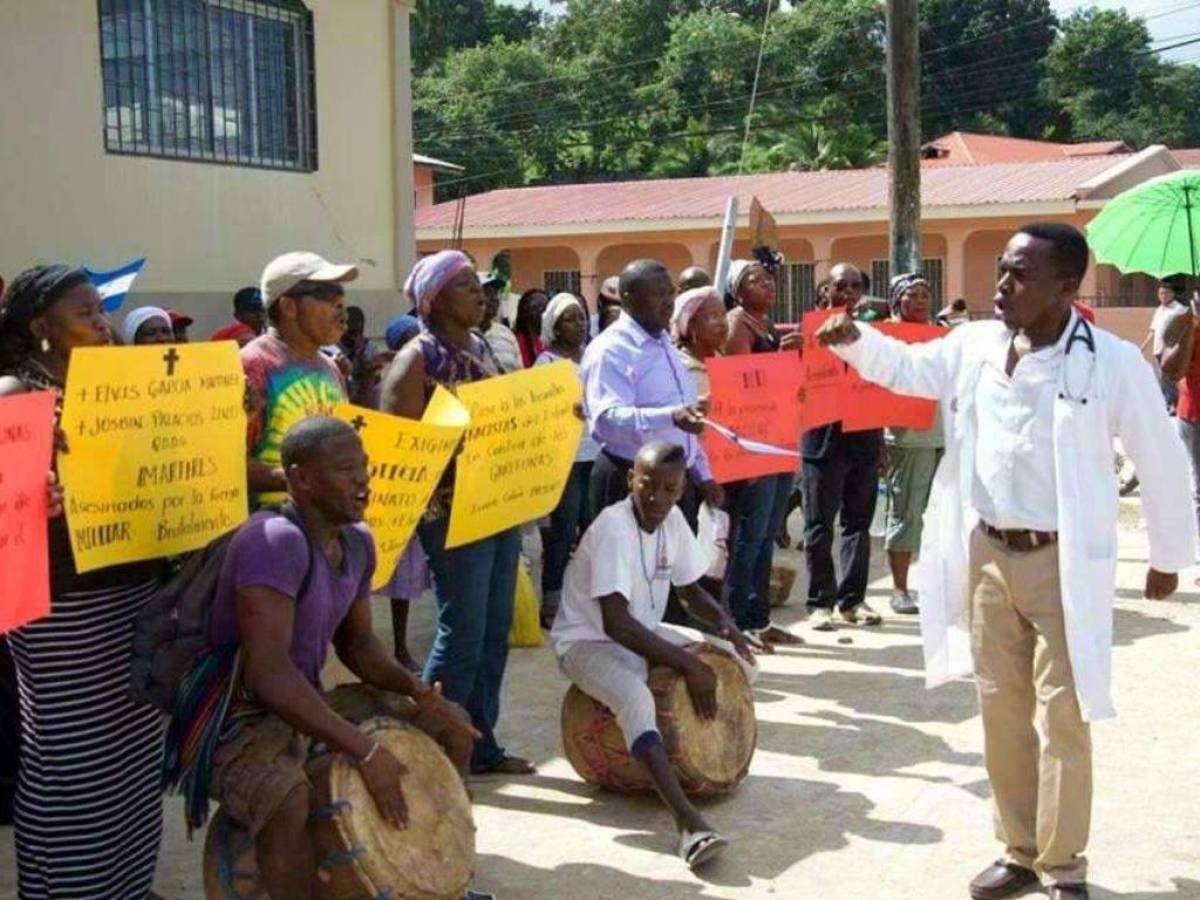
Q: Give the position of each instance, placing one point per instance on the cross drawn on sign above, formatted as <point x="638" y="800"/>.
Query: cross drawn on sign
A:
<point x="358" y="422"/>
<point x="170" y="358"/>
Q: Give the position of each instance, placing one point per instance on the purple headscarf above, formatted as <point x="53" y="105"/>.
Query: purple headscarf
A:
<point x="430" y="275"/>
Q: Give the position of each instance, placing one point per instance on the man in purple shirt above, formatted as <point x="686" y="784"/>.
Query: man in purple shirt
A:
<point x="292" y="583"/>
<point x="636" y="389"/>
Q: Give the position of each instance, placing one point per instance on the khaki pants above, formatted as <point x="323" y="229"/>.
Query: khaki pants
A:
<point x="1041" y="779"/>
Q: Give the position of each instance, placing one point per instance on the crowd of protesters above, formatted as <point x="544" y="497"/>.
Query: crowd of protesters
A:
<point x="297" y="577"/>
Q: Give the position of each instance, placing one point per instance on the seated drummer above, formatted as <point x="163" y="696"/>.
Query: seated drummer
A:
<point x="609" y="629"/>
<point x="285" y="592"/>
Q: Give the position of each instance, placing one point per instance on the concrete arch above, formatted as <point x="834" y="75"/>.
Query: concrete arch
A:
<point x="530" y="264"/>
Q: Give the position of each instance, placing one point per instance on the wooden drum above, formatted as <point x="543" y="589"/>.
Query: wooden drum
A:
<point x="710" y="757"/>
<point x="359" y="856"/>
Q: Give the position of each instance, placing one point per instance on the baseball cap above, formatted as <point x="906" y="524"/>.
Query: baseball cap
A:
<point x="178" y="318"/>
<point x="285" y="272"/>
<point x="486" y="278"/>
<point x="610" y="288"/>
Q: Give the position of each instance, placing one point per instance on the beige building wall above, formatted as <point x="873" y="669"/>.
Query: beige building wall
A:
<point x="206" y="229"/>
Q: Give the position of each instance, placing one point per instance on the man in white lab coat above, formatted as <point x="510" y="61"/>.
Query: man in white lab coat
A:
<point x="1019" y="553"/>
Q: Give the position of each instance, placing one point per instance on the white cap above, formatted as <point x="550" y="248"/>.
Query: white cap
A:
<point x="285" y="272"/>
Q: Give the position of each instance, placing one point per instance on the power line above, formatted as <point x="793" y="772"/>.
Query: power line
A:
<point x="533" y="105"/>
<point x="980" y="68"/>
<point x="943" y="106"/>
<point x="512" y="117"/>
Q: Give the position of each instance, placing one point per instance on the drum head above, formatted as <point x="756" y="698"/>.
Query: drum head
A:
<point x="714" y="753"/>
<point x="434" y="857"/>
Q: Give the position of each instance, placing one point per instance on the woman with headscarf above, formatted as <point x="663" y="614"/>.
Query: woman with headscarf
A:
<point x="474" y="583"/>
<point x="700" y="329"/>
<point x="564" y="332"/>
<point x="528" y="326"/>
<point x="756" y="505"/>
<point x="147" y="325"/>
<point x="411" y="575"/>
<point x="911" y="458"/>
<point x="89" y="800"/>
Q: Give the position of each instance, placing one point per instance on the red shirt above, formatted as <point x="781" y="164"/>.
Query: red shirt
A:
<point x="235" y="331"/>
<point x="1188" y="407"/>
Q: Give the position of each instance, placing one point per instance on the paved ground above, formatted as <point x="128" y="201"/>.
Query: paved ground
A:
<point x="865" y="785"/>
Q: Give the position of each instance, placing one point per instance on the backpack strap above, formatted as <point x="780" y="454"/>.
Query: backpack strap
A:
<point x="356" y="547"/>
<point x="289" y="512"/>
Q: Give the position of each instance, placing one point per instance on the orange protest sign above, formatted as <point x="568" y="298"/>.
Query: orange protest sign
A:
<point x="756" y="396"/>
<point x="26" y="444"/>
<point x="870" y="406"/>
<point x="825" y="375"/>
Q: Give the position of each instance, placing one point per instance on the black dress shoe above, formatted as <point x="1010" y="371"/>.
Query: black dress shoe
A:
<point x="1001" y="879"/>
<point x="1076" y="891"/>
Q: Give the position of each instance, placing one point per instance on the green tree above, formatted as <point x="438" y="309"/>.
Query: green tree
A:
<point x="1109" y="84"/>
<point x="439" y="27"/>
<point x="982" y="64"/>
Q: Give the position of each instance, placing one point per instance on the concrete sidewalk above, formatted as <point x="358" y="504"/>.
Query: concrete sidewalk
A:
<point x="865" y="785"/>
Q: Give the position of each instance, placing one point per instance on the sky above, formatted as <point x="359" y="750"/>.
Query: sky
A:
<point x="1169" y="18"/>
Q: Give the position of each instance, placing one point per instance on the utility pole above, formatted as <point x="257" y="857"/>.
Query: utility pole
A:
<point x="904" y="136"/>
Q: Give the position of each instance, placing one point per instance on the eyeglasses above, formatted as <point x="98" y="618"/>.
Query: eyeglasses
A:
<point x="318" y="291"/>
<point x="848" y="285"/>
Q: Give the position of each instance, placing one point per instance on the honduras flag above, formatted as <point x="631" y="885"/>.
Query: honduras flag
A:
<point x="114" y="286"/>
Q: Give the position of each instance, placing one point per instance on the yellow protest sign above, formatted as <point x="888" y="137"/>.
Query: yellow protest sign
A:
<point x="518" y="451"/>
<point x="157" y="450"/>
<point x="407" y="459"/>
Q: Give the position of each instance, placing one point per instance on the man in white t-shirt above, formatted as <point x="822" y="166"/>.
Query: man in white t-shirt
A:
<point x="609" y="629"/>
<point x="1167" y="327"/>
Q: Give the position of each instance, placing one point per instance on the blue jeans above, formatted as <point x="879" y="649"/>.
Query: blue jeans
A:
<point x="750" y="512"/>
<point x="475" y="585"/>
<point x="567" y="523"/>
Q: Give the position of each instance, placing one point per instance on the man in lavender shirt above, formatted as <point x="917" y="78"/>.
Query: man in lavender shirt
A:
<point x="636" y="390"/>
<point x="292" y="584"/>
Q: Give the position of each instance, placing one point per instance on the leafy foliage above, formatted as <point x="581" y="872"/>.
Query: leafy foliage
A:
<point x="613" y="89"/>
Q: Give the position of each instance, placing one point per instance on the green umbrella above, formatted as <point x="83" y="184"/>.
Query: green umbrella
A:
<point x="1152" y="228"/>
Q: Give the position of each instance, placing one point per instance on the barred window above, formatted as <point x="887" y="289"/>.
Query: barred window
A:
<point x="228" y="81"/>
<point x="797" y="291"/>
<point x="559" y="280"/>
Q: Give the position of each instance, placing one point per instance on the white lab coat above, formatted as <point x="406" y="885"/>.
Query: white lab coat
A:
<point x="1111" y="392"/>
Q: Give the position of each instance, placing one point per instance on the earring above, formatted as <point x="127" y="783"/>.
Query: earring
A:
<point x="45" y="345"/>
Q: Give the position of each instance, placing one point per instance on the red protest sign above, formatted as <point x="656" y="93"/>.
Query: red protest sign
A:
<point x="26" y="444"/>
<point x="871" y="406"/>
<point x="825" y="376"/>
<point x="757" y="397"/>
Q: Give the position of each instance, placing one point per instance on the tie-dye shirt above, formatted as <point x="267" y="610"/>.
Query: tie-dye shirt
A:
<point x="283" y="390"/>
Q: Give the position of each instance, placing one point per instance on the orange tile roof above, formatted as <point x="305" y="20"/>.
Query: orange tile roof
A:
<point x="964" y="148"/>
<point x="1189" y="157"/>
<point x="783" y="193"/>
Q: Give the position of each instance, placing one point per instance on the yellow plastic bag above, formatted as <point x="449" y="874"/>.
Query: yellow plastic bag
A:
<point x="526" y="628"/>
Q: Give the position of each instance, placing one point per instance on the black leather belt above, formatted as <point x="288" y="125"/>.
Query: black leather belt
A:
<point x="1022" y="540"/>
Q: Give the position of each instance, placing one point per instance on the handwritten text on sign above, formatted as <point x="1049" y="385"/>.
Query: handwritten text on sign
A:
<point x="406" y="460"/>
<point x="872" y="406"/>
<point x="519" y="449"/>
<point x="157" y="461"/>
<point x="755" y="395"/>
<point x="26" y="441"/>
<point x="825" y="375"/>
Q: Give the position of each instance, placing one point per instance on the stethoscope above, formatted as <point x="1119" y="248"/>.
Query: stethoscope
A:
<point x="1081" y="332"/>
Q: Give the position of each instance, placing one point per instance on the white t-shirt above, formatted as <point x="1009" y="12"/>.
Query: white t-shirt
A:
<point x="1161" y="321"/>
<point x="617" y="557"/>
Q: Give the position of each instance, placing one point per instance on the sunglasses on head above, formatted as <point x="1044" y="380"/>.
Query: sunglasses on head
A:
<point x="317" y="290"/>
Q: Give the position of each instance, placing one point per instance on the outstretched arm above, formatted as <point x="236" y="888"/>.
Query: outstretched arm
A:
<point x="918" y="370"/>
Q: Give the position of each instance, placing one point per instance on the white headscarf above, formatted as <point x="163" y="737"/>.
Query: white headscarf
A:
<point x="737" y="271"/>
<point x="136" y="318"/>
<point x="558" y="305"/>
<point x="686" y="305"/>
